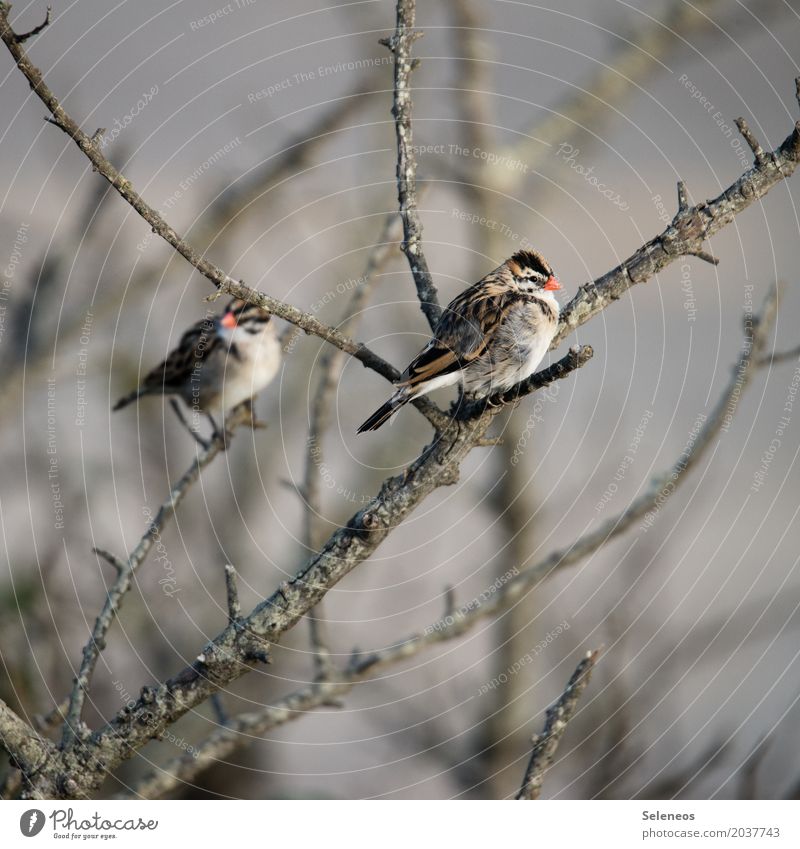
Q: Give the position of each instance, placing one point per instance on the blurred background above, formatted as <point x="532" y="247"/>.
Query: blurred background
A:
<point x="262" y="131"/>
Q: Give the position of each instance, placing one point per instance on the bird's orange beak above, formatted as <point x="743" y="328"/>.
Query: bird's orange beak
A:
<point x="552" y="284"/>
<point x="228" y="321"/>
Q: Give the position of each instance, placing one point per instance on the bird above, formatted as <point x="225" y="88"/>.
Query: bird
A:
<point x="490" y="337"/>
<point x="220" y="362"/>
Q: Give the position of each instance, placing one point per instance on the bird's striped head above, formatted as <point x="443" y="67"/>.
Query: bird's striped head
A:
<point x="532" y="271"/>
<point x="241" y="315"/>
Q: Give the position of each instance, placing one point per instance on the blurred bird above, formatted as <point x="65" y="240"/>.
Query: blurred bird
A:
<point x="493" y="335"/>
<point x="220" y="362"/>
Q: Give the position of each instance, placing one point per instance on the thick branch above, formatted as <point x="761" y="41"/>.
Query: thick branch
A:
<point x="400" y="45"/>
<point x="558" y="717"/>
<point x="27" y="749"/>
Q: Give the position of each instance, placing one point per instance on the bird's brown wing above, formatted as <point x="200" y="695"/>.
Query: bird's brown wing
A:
<point x="464" y="331"/>
<point x="196" y="343"/>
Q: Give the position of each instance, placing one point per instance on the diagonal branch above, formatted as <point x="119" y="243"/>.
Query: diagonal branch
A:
<point x="558" y="717"/>
<point x="27" y="749"/>
<point x="400" y="46"/>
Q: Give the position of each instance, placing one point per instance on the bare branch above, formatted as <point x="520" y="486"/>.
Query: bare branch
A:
<point x="576" y="357"/>
<point x="73" y="726"/>
<point x="558" y="717"/>
<point x="27" y="749"/>
<point x="400" y="45"/>
<point x="111" y="559"/>
<point x="780" y="357"/>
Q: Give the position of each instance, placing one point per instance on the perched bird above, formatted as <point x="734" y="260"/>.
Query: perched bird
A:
<point x="493" y="335"/>
<point x="220" y="362"/>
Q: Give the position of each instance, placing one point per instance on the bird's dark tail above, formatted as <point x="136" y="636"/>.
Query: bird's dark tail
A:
<point x="128" y="399"/>
<point x="385" y="412"/>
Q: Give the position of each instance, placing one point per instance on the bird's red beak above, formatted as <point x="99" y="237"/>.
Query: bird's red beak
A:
<point x="228" y="321"/>
<point x="552" y="284"/>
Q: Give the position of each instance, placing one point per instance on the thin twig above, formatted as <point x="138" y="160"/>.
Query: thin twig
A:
<point x="400" y="45"/>
<point x="73" y="725"/>
<point x="331" y="366"/>
<point x="780" y="357"/>
<point x="558" y="717"/>
<point x="752" y="142"/>
<point x="234" y="607"/>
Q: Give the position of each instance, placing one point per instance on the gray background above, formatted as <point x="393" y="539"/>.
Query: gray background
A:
<point x="698" y="614"/>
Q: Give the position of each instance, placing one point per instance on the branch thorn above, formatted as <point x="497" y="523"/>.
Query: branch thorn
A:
<point x="111" y="559"/>
<point x="234" y="607"/>
<point x="706" y="257"/>
<point x="752" y="142"/>
<point x="683" y="197"/>
<point x="22" y="37"/>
